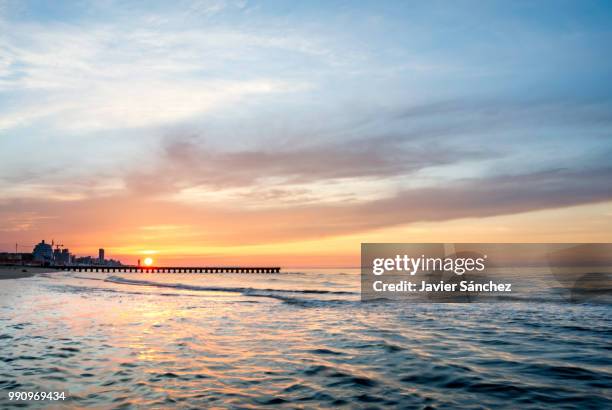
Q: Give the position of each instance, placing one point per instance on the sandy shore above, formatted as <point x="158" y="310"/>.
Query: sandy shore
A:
<point x="17" y="272"/>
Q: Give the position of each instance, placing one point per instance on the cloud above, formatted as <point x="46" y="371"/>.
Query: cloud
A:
<point x="476" y="198"/>
<point x="219" y="225"/>
<point x="106" y="76"/>
<point x="514" y="112"/>
<point x="186" y="162"/>
<point x="23" y="221"/>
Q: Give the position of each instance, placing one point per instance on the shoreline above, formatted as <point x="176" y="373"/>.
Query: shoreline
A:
<point x="20" y="272"/>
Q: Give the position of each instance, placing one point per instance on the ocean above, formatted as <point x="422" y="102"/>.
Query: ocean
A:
<point x="299" y="339"/>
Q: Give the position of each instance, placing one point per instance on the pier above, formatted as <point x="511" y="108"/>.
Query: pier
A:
<point x="169" y="269"/>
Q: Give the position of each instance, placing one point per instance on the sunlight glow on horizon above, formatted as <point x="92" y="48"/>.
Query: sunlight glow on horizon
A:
<point x="343" y="250"/>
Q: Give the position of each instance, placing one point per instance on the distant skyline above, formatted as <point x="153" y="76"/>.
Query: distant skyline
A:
<point x="289" y="133"/>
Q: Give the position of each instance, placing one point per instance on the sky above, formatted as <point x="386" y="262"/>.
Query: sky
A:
<point x="288" y="133"/>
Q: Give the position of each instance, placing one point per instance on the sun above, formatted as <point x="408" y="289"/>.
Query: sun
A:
<point x="148" y="261"/>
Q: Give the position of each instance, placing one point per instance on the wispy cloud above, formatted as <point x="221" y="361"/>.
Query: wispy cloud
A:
<point x="188" y="162"/>
<point x="87" y="78"/>
<point x="219" y="224"/>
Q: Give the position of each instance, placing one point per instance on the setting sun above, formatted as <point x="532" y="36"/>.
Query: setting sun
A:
<point x="148" y="261"/>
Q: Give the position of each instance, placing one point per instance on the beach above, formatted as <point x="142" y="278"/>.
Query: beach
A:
<point x="18" y="272"/>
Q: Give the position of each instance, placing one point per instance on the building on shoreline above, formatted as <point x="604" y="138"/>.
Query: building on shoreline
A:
<point x="11" y="258"/>
<point x="43" y="254"/>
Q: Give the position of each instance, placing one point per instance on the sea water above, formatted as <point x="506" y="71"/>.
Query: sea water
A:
<point x="299" y="339"/>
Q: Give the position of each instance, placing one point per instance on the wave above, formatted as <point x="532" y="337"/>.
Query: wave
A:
<point x="117" y="279"/>
<point x="279" y="294"/>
